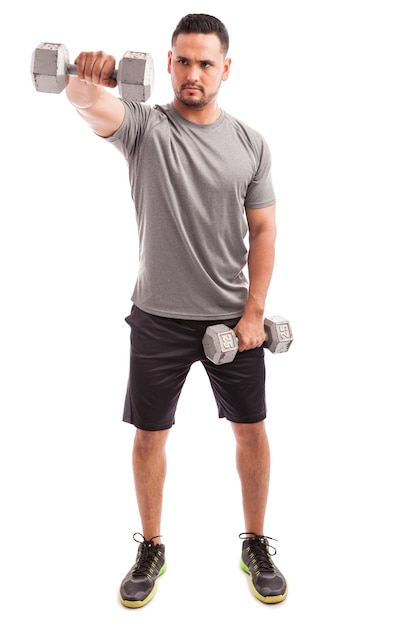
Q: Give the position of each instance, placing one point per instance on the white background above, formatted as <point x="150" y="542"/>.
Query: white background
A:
<point x="332" y="86"/>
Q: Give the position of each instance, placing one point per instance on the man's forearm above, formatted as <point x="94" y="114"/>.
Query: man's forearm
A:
<point x="260" y="268"/>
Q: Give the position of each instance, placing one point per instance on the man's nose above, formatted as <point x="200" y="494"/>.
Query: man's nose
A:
<point x="193" y="73"/>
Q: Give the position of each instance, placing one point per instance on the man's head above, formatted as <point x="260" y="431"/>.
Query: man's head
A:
<point x="204" y="24"/>
<point x="198" y="62"/>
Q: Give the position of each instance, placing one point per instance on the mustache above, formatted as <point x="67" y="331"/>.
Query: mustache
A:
<point x="193" y="85"/>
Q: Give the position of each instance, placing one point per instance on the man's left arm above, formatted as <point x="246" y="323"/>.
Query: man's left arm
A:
<point x="262" y="234"/>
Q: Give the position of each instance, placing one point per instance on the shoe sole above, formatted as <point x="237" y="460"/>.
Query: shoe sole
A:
<point x="137" y="604"/>
<point x="265" y="599"/>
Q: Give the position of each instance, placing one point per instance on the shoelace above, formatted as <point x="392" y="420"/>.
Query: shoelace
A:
<point x="146" y="557"/>
<point x="262" y="550"/>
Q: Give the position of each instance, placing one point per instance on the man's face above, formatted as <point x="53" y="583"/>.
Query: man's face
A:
<point x="197" y="67"/>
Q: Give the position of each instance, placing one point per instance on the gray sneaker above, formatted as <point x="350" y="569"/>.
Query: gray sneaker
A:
<point x="139" y="585"/>
<point x="266" y="581"/>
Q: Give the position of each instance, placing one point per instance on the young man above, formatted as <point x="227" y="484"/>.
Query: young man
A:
<point x="201" y="180"/>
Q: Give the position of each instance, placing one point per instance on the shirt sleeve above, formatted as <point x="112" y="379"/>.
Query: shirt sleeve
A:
<point x="129" y="133"/>
<point x="261" y="191"/>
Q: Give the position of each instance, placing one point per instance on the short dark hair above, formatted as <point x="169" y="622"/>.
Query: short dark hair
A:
<point x="205" y="24"/>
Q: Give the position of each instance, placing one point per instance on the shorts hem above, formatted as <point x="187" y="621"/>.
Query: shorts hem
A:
<point x="244" y="420"/>
<point x="147" y="428"/>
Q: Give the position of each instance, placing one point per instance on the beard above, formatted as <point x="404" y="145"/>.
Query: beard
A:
<point x="195" y="101"/>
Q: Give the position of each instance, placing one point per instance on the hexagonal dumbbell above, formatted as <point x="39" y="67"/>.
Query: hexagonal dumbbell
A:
<point x="221" y="344"/>
<point x="51" y="70"/>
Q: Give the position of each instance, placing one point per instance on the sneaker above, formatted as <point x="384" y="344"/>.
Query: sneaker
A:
<point x="266" y="581"/>
<point x="139" y="585"/>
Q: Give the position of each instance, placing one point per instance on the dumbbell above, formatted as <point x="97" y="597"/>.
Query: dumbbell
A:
<point x="51" y="70"/>
<point x="221" y="344"/>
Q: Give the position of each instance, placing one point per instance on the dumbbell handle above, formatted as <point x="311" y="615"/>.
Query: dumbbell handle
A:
<point x="236" y="338"/>
<point x="71" y="70"/>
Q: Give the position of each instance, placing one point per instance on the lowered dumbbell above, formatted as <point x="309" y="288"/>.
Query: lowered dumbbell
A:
<point x="221" y="344"/>
<point x="51" y="70"/>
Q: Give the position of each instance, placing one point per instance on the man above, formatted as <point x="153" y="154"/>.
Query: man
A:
<point x="201" y="180"/>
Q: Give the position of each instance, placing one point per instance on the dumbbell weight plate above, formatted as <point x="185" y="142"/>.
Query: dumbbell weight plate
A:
<point x="127" y="76"/>
<point x="220" y="344"/>
<point x="49" y="67"/>
<point x="278" y="334"/>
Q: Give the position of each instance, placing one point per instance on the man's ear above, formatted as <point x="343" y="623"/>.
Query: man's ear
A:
<point x="226" y="68"/>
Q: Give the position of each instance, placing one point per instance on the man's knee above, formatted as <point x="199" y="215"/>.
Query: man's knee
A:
<point x="150" y="441"/>
<point x="249" y="434"/>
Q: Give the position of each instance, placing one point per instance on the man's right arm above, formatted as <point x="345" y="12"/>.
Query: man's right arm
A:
<point x="103" y="111"/>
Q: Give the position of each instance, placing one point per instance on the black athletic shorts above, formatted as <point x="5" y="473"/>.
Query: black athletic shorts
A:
<point x="162" y="351"/>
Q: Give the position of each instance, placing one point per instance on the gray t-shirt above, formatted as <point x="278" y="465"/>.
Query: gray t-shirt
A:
<point x="191" y="185"/>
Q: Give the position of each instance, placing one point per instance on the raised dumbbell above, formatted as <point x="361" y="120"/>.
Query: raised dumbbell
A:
<point x="51" y="70"/>
<point x="221" y="344"/>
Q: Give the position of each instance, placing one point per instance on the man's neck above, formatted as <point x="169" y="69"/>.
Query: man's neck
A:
<point x="206" y="115"/>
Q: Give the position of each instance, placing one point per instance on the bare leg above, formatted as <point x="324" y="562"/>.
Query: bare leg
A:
<point x="253" y="466"/>
<point x="149" y="471"/>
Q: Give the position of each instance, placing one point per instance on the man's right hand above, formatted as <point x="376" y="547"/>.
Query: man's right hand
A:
<point x="96" y="68"/>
